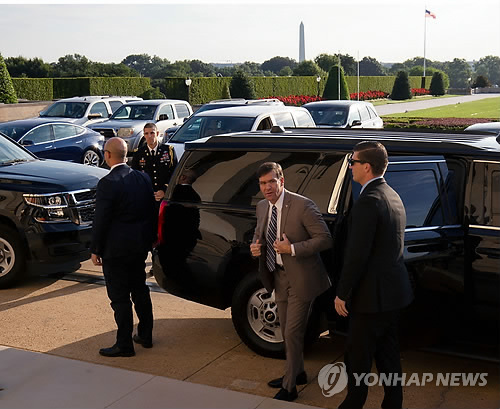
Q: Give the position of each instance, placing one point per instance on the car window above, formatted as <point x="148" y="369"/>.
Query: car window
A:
<point x="333" y="116"/>
<point x="13" y="130"/>
<point x="202" y="126"/>
<point x="230" y="177"/>
<point x="354" y="114"/>
<point x="484" y="196"/>
<point x="41" y="134"/>
<point x="99" y="108"/>
<point x="363" y="111"/>
<point x="182" y="110"/>
<point x="115" y="105"/>
<point x="11" y="151"/>
<point x="284" y="119"/>
<point x="139" y="112"/>
<point x="303" y="120"/>
<point x="419" y="192"/>
<point x="265" y="124"/>
<point x="62" y="131"/>
<point x="166" y="112"/>
<point x="66" y="110"/>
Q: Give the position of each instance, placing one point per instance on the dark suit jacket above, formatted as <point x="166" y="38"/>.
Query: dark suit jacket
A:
<point x="304" y="226"/>
<point x="124" y="221"/>
<point x="374" y="276"/>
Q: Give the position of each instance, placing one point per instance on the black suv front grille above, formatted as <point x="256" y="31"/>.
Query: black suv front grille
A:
<point x="86" y="213"/>
<point x="82" y="203"/>
<point x="106" y="132"/>
<point x="85" y="195"/>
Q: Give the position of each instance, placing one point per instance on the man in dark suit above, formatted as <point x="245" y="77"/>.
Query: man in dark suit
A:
<point x="123" y="233"/>
<point x="374" y="285"/>
<point x="289" y="236"/>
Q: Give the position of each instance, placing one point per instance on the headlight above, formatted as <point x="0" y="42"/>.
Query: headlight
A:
<point x="125" y="132"/>
<point x="48" y="208"/>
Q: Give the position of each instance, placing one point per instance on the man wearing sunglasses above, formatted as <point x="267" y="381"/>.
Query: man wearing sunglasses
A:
<point x="374" y="285"/>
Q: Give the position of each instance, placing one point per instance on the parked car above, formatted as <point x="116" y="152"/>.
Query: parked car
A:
<point x="449" y="185"/>
<point x="47" y="212"/>
<point x="85" y="110"/>
<point x="238" y="119"/>
<point x="490" y="127"/>
<point x="51" y="139"/>
<point x="129" y="120"/>
<point x="227" y="103"/>
<point x="344" y="114"/>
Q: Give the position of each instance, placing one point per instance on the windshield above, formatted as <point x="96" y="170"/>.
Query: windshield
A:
<point x="13" y="130"/>
<point x="137" y="112"/>
<point x="11" y="153"/>
<point x="209" y="107"/>
<point x="202" y="126"/>
<point x="66" y="110"/>
<point x="333" y="116"/>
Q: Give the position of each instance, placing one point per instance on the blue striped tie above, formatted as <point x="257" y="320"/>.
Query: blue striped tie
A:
<point x="270" y="239"/>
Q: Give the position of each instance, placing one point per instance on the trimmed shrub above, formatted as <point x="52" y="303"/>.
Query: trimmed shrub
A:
<point x="226" y="94"/>
<point x="242" y="86"/>
<point x="7" y="92"/>
<point x="152" y="93"/>
<point x="481" y="81"/>
<point x="437" y="84"/>
<point x="71" y="87"/>
<point x="34" y="89"/>
<point x="332" y="84"/>
<point x="401" y="89"/>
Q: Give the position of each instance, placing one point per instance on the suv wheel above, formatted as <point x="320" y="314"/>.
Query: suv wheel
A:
<point x="91" y="158"/>
<point x="12" y="258"/>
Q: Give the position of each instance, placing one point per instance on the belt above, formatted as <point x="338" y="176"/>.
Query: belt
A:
<point x="278" y="267"/>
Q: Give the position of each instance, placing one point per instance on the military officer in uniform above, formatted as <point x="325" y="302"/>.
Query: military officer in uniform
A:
<point x="155" y="159"/>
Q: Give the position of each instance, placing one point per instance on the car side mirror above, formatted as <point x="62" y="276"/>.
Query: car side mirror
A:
<point x="356" y="122"/>
<point x="94" y="116"/>
<point x="163" y="117"/>
<point x="27" y="142"/>
<point x="185" y="118"/>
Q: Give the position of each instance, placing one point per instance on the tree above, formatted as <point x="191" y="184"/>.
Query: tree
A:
<point x="437" y="84"/>
<point x="7" y="92"/>
<point x="369" y="66"/>
<point x="418" y="71"/>
<point x="276" y="64"/>
<point x="251" y="68"/>
<point x="139" y="62"/>
<point x="332" y="85"/>
<point x="285" y="72"/>
<point x="401" y="89"/>
<point x="459" y="72"/>
<point x="23" y="67"/>
<point x="201" y="69"/>
<point x="306" y="68"/>
<point x="489" y="66"/>
<point x="242" y="86"/>
<point x="396" y="67"/>
<point x="152" y="93"/>
<point x="327" y="61"/>
<point x="481" y="82"/>
<point x="177" y="69"/>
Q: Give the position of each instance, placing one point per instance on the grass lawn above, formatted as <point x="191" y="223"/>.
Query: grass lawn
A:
<point x="414" y="99"/>
<point x="485" y="108"/>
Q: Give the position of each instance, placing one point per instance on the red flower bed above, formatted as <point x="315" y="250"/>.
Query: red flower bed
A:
<point x="366" y="95"/>
<point x="419" y="91"/>
<point x="298" y="100"/>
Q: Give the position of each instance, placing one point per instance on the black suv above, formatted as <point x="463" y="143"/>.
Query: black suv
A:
<point x="46" y="210"/>
<point x="449" y="184"/>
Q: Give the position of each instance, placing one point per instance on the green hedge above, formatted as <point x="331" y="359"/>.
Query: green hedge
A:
<point x="205" y="89"/>
<point x="34" y="89"/>
<point x="71" y="87"/>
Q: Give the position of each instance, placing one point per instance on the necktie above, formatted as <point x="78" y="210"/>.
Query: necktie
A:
<point x="270" y="239"/>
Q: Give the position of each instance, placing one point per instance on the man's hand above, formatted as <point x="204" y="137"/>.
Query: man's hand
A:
<point x="255" y="248"/>
<point x="159" y="194"/>
<point x="283" y="246"/>
<point x="340" y="307"/>
<point x="96" y="259"/>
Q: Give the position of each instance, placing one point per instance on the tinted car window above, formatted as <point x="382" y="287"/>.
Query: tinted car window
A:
<point x="65" y="131"/>
<point x="182" y="110"/>
<point x="418" y="190"/>
<point x="202" y="126"/>
<point x="484" y="208"/>
<point x="230" y="177"/>
<point x="265" y="124"/>
<point x="329" y="116"/>
<point x="66" y="110"/>
<point x="13" y="130"/>
<point x="115" y="105"/>
<point x="99" y="108"/>
<point x="39" y="135"/>
<point x="167" y="111"/>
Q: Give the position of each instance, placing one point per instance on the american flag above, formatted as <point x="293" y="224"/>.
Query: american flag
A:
<point x="429" y="13"/>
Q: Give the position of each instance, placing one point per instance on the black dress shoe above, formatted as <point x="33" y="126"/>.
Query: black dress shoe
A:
<point x="116" y="351"/>
<point x="145" y="343"/>
<point x="278" y="382"/>
<point x="283" y="394"/>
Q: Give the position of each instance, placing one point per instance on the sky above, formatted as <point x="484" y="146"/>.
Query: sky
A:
<point x="237" y="31"/>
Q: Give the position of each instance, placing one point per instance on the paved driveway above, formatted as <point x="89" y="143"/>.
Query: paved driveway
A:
<point x="389" y="109"/>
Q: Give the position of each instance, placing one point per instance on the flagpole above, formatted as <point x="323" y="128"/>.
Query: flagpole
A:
<point x="425" y="33"/>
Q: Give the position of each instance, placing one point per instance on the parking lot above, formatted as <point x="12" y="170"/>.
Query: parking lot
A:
<point x="69" y="316"/>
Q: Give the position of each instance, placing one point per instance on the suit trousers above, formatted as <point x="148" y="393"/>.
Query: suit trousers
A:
<point x="125" y="281"/>
<point x="293" y="314"/>
<point x="373" y="336"/>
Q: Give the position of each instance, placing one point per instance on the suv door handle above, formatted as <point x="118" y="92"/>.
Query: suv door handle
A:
<point x="428" y="248"/>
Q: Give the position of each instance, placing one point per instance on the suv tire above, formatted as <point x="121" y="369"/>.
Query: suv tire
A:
<point x="12" y="256"/>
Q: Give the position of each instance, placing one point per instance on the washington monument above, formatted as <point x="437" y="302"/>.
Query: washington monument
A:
<point x="302" y="43"/>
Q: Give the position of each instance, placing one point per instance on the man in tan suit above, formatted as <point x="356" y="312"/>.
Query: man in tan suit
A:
<point x="290" y="264"/>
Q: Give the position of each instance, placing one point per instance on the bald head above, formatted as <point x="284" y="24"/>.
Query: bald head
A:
<point x="117" y="151"/>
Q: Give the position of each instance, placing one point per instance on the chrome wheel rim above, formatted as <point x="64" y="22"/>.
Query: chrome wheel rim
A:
<point x="7" y="257"/>
<point x="262" y="314"/>
<point x="91" y="158"/>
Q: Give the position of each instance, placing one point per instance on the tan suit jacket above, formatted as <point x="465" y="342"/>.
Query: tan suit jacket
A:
<point x="304" y="226"/>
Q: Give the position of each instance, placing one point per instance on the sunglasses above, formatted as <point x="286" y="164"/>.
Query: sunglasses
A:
<point x="352" y="161"/>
